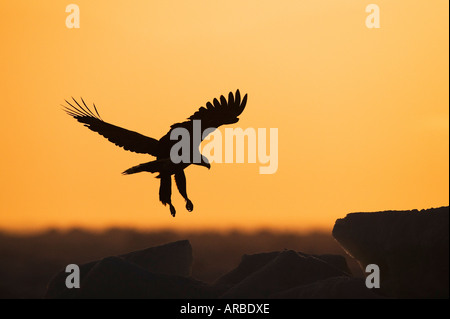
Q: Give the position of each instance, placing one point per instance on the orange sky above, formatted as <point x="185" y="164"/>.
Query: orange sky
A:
<point x="362" y="114"/>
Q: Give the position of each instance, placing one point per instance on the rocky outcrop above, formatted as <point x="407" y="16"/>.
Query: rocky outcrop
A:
<point x="114" y="277"/>
<point x="165" y="272"/>
<point x="156" y="272"/>
<point x="171" y="259"/>
<point x="411" y="249"/>
<point x="287" y="270"/>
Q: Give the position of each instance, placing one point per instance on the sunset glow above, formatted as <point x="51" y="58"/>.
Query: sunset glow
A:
<point x="362" y="114"/>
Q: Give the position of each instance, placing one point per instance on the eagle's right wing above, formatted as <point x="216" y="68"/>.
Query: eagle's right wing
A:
<point x="128" y="140"/>
<point x="220" y="112"/>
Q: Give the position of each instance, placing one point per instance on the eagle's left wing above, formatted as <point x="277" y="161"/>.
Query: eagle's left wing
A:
<point x="128" y="140"/>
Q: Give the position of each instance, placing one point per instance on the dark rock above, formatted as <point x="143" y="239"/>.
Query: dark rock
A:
<point x="287" y="270"/>
<point x="172" y="259"/>
<point x="56" y="288"/>
<point x="336" y="261"/>
<point x="248" y="265"/>
<point x="251" y="263"/>
<point x="115" y="277"/>
<point x="411" y="248"/>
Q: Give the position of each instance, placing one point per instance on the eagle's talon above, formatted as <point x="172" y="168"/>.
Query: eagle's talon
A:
<point x="189" y="205"/>
<point x="172" y="210"/>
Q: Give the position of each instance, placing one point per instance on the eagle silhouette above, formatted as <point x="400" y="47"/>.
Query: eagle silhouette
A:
<point x="220" y="112"/>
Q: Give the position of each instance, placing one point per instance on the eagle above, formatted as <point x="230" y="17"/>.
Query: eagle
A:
<point x="220" y="112"/>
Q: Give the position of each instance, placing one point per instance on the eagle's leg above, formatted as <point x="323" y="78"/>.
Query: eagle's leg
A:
<point x="165" y="192"/>
<point x="180" y="180"/>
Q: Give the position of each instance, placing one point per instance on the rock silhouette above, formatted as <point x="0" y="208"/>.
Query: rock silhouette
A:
<point x="165" y="272"/>
<point x="251" y="263"/>
<point x="287" y="270"/>
<point x="124" y="276"/>
<point x="114" y="277"/>
<point x="411" y="249"/>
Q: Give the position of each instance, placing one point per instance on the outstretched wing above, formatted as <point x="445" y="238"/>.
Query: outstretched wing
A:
<point x="128" y="140"/>
<point x="220" y="112"/>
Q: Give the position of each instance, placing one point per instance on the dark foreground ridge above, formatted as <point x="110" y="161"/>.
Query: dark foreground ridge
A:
<point x="410" y="248"/>
<point x="165" y="272"/>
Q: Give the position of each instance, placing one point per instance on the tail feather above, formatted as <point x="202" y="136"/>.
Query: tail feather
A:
<point x="152" y="167"/>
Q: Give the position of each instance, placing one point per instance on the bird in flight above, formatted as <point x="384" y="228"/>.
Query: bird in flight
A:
<point x="220" y="112"/>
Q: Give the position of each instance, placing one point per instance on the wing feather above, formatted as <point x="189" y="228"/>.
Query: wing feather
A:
<point x="216" y="113"/>
<point x="128" y="140"/>
<point x="216" y="103"/>
<point x="220" y="112"/>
